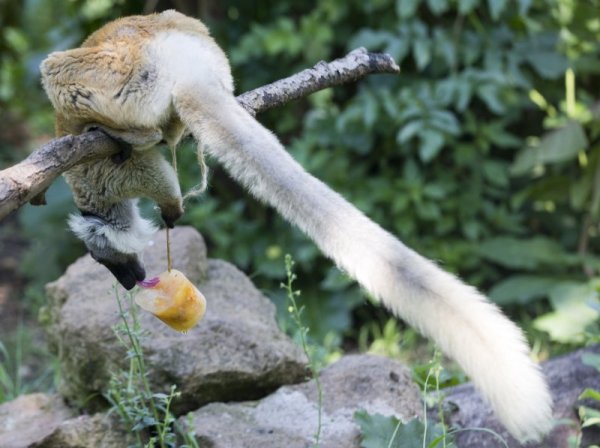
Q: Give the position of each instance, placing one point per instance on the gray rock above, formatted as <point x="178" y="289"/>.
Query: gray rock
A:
<point x="236" y="353"/>
<point x="88" y="431"/>
<point x="29" y="418"/>
<point x="288" y="418"/>
<point x="567" y="377"/>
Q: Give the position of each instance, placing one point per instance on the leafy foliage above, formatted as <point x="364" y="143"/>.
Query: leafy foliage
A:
<point x="484" y="153"/>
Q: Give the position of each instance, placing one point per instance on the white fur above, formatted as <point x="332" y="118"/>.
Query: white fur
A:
<point x="131" y="240"/>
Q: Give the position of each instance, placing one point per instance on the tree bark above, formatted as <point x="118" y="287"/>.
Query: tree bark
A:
<point x="27" y="180"/>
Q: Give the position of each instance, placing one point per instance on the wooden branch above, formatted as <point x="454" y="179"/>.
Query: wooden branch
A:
<point x="355" y="65"/>
<point x="27" y="180"/>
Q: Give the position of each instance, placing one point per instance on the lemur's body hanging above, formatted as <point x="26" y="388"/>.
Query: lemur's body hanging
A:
<point x="149" y="78"/>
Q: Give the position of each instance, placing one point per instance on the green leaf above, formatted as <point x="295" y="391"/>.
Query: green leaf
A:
<point x="590" y="393"/>
<point x="489" y="94"/>
<point x="437" y="7"/>
<point x="409" y="131"/>
<point x="590" y="359"/>
<point x="558" y="146"/>
<point x="589" y="416"/>
<point x="524" y="6"/>
<point x="466" y="6"/>
<point x="496" y="173"/>
<point x="379" y="431"/>
<point x="407" y="8"/>
<point x="522" y="289"/>
<point x="371" y="39"/>
<point x="431" y="144"/>
<point x="445" y="121"/>
<point x="496" y="8"/>
<point x="422" y="52"/>
<point x="572" y="313"/>
<point x="522" y="254"/>
<point x="548" y="64"/>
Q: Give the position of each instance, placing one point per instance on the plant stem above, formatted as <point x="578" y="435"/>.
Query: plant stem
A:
<point x="139" y="358"/>
<point x="295" y="311"/>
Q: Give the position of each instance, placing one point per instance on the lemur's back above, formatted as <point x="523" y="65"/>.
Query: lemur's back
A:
<point x="133" y="28"/>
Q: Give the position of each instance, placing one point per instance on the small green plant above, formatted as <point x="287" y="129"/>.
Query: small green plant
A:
<point x="10" y="378"/>
<point x="296" y="314"/>
<point x="129" y="393"/>
<point x="21" y="355"/>
<point x="588" y="415"/>
<point x="379" y="431"/>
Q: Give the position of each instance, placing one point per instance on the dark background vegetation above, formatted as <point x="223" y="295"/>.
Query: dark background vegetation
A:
<point x="484" y="155"/>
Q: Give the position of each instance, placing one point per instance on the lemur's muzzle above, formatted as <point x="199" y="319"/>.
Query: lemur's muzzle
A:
<point x="127" y="272"/>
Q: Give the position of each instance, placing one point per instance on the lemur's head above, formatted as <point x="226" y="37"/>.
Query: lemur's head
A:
<point x="116" y="240"/>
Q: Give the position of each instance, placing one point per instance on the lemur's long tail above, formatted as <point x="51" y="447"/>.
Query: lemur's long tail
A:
<point x="489" y="347"/>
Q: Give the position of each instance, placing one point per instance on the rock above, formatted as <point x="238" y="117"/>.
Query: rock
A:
<point x="236" y="353"/>
<point x="288" y="418"/>
<point x="29" y="418"/>
<point x="567" y="377"/>
<point x="85" y="431"/>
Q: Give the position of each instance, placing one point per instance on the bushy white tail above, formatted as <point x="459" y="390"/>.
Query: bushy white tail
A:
<point x="489" y="347"/>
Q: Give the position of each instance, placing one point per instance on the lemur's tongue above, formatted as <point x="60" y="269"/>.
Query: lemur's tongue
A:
<point x="151" y="283"/>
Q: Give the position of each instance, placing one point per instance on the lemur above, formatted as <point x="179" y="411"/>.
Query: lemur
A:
<point x="147" y="79"/>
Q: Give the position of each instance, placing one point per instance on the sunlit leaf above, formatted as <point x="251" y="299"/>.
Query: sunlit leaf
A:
<point x="572" y="313"/>
<point x="590" y="393"/>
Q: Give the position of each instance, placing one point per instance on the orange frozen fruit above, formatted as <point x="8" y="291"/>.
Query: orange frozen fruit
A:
<point x="173" y="299"/>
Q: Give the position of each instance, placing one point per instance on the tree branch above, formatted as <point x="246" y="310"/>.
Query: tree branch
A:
<point x="21" y="183"/>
